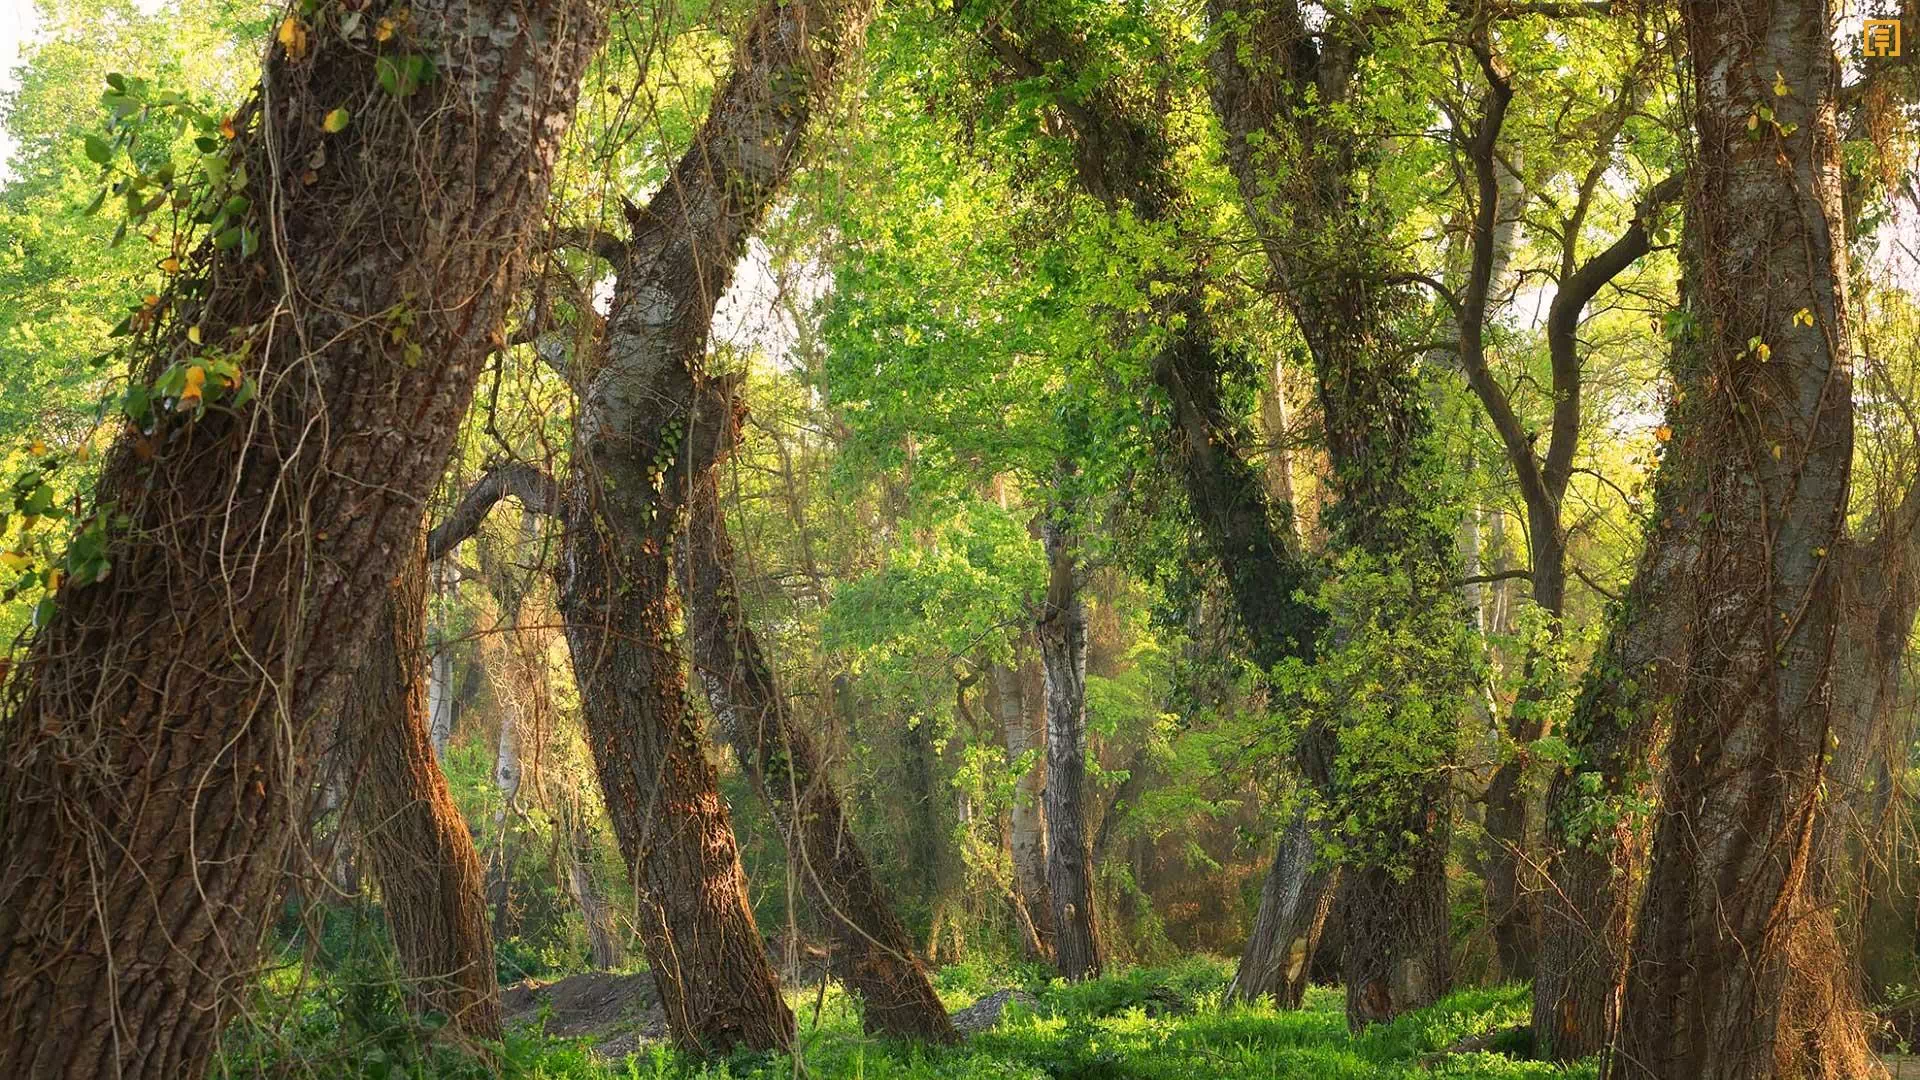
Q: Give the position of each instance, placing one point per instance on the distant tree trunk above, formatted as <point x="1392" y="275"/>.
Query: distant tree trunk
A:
<point x="439" y="676"/>
<point x="421" y="853"/>
<point x="872" y="951"/>
<point x="1062" y="632"/>
<point x="635" y="461"/>
<point x="1717" y="984"/>
<point x="603" y="947"/>
<point x="161" y="730"/>
<point x="506" y="779"/>
<point x="1028" y="815"/>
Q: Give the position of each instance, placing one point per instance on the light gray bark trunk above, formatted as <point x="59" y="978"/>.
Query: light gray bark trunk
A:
<point x="1027" y="818"/>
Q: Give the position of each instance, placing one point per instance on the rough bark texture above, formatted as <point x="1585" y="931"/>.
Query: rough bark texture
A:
<point x="872" y="951"/>
<point x="1717" y="981"/>
<point x="636" y="460"/>
<point x="160" y="731"/>
<point x="1061" y="629"/>
<point x="1596" y="841"/>
<point x="1027" y="817"/>
<point x="420" y="851"/>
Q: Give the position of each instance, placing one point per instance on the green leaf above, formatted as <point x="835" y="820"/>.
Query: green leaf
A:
<point x="98" y="151"/>
<point x="335" y="122"/>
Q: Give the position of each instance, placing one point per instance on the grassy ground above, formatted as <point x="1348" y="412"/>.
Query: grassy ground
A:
<point x="1148" y="1024"/>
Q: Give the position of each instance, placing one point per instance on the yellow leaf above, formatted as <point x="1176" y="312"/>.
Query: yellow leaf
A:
<point x="383" y="30"/>
<point x="1762" y="351"/>
<point x="196" y="378"/>
<point x="53" y="579"/>
<point x="1753" y="121"/>
<point x="14" y="560"/>
<point x="1663" y="433"/>
<point x="1776" y="451"/>
<point x="1819" y="553"/>
<point x="336" y="121"/>
<point x="1803" y="317"/>
<point x="170" y="265"/>
<point x="37" y="448"/>
<point x="1780" y="85"/>
<point x="293" y="37"/>
<point x="193" y="334"/>
<point x="227" y="128"/>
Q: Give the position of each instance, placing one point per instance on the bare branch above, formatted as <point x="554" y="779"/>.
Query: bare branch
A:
<point x="532" y="486"/>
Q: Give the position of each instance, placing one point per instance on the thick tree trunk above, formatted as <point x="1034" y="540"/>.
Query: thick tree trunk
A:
<point x="421" y="853"/>
<point x="1028" y="821"/>
<point x="872" y="951"/>
<point x="160" y="732"/>
<point x="1062" y="632"/>
<point x="643" y="440"/>
<point x="1719" y="982"/>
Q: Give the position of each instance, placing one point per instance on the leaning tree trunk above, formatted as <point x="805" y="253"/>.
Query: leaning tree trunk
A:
<point x="635" y="461"/>
<point x="1718" y="982"/>
<point x="1062" y="632"/>
<point x="1027" y="817"/>
<point x="1297" y="896"/>
<point x="872" y="951"/>
<point x="160" y="732"/>
<point x="421" y="853"/>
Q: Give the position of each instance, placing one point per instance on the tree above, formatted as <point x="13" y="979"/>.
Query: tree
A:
<point x="872" y="951"/>
<point x="1060" y="626"/>
<point x="421" y="853"/>
<point x="641" y="443"/>
<point x="1731" y="910"/>
<point x="159" y="733"/>
<point x="1284" y="96"/>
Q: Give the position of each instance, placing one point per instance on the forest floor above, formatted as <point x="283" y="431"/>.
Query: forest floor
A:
<point x="1146" y="1024"/>
<point x="1156" y="1023"/>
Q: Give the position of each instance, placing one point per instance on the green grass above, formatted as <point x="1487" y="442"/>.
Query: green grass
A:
<point x="1145" y="1024"/>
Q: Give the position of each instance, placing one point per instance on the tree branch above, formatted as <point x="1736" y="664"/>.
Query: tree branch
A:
<point x="533" y="487"/>
<point x="1563" y="324"/>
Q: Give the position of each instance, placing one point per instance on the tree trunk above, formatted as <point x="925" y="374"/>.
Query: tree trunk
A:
<point x="1294" y="903"/>
<point x="872" y="951"/>
<point x="439" y="676"/>
<point x="1718" y="982"/>
<point x="636" y="458"/>
<point x="1028" y="817"/>
<point x="1062" y="632"/>
<point x="160" y="732"/>
<point x="421" y="853"/>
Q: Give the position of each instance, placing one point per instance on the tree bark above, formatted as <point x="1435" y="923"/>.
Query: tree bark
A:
<point x="421" y="853"/>
<point x="641" y="443"/>
<point x="1061" y="629"/>
<point x="872" y="951"/>
<point x="1027" y="818"/>
<point x="1717" y="981"/>
<point x="160" y="733"/>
